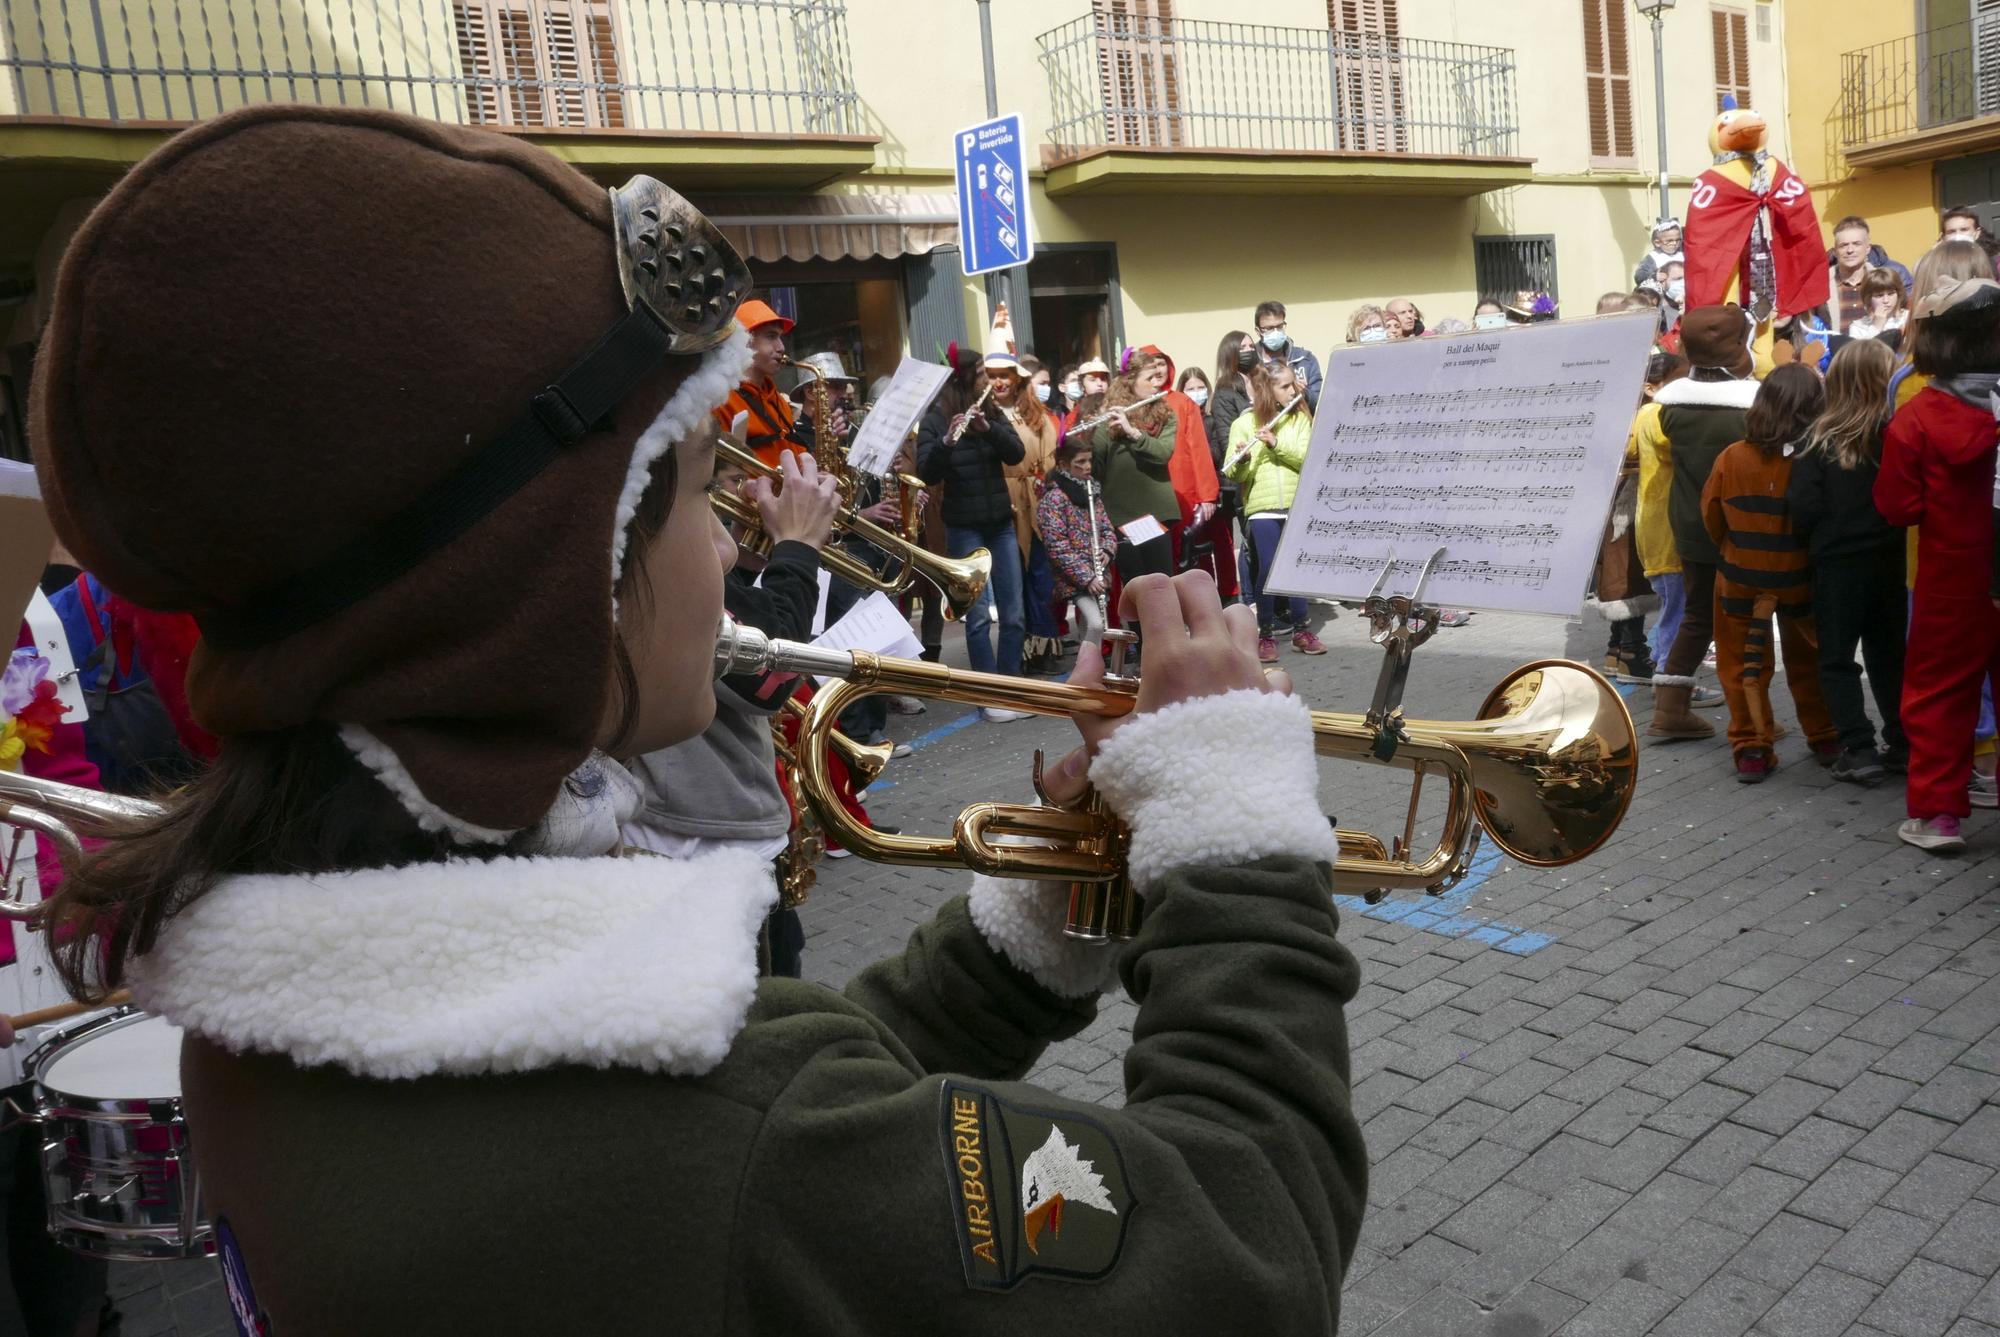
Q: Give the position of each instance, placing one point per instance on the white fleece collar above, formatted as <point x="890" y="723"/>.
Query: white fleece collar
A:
<point x="1690" y="393"/>
<point x="472" y="967"/>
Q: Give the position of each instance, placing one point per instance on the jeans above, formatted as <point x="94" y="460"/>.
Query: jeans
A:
<point x="1264" y="534"/>
<point x="1673" y="602"/>
<point x="1041" y="595"/>
<point x="1005" y="592"/>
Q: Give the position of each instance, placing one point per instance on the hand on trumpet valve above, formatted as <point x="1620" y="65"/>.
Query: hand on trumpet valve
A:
<point x="801" y="506"/>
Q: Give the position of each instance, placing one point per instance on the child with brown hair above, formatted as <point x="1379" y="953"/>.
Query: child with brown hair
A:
<point x="1763" y="574"/>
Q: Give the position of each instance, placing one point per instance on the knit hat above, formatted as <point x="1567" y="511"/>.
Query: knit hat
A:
<point x="1718" y="337"/>
<point x="376" y="399"/>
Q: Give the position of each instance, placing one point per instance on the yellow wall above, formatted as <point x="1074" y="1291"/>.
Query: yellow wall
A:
<point x="1899" y="202"/>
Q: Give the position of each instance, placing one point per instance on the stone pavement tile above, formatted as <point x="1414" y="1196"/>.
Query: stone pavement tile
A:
<point x="1414" y="1273"/>
<point x="1921" y="1057"/>
<point x="1845" y="1192"/>
<point x="1656" y="1041"/>
<point x="1735" y="1034"/>
<point x="1750" y="1200"/>
<point x="1378" y="1090"/>
<point x="1781" y="1106"/>
<point x="1956" y="1093"/>
<point x="1626" y="982"/>
<point x="1924" y="1301"/>
<point x="1723" y="1153"/>
<point x="1361" y="1315"/>
<point x="1642" y="1009"/>
<point x="1570" y="1016"/>
<point x="1425" y="998"/>
<point x="1400" y="1171"/>
<point x="1891" y="1023"/>
<point x="1809" y="1149"/>
<point x="1683" y="1262"/>
<point x="1823" y="1304"/>
<point x="1509" y="1052"/>
<point x="1676" y="1073"/>
<point x="1725" y="1306"/>
<point x="1643" y="1153"/>
<point x="1489" y="1219"/>
<point x="1588" y="1083"/>
<point x="1756" y="1067"/>
<point x="1661" y="1207"/>
<point x="1591" y="1266"/>
<point x="1903" y="1139"/>
<point x="1559" y="1163"/>
<point x="1490" y="1023"/>
<point x="1519" y="1084"/>
<point x="1629" y="1309"/>
<point x="1391" y="1128"/>
<point x="1966" y="1327"/>
<point x="1864" y="994"/>
<point x="1696" y="1110"/>
<point x="1970" y="1241"/>
<point x="1575" y="1211"/>
<point x="1939" y="989"/>
<point x="1441" y="1313"/>
<point x="1783" y="1251"/>
<point x="1713" y="1004"/>
<point x="1977" y="1139"/>
<point x="1436" y="1094"/>
<point x="1589" y="1041"/>
<point x="1535" y="1122"/>
<point x="1985" y="1307"/>
<point x="1868" y="1099"/>
<point x="1563" y="984"/>
<point x="1915" y="961"/>
<point x="1474" y="1170"/>
<point x="1939" y="1186"/>
<point x="1424" y="1059"/>
<point x="1813" y="1029"/>
<point x="1403" y="1222"/>
<point x="1880" y="1245"/>
<point x="1836" y="1062"/>
<point x="1458" y="1128"/>
<point x="1498" y="1273"/>
<point x="1786" y="997"/>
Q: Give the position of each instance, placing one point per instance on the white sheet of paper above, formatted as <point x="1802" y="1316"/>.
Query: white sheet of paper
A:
<point x="1501" y="447"/>
<point x="1143" y="530"/>
<point x="874" y="623"/>
<point x="825" y="588"/>
<point x="53" y="645"/>
<point x="894" y="416"/>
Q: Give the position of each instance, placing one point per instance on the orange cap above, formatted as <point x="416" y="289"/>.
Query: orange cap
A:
<point x="754" y="313"/>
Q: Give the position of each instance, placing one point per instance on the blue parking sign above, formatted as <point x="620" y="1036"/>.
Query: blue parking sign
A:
<point x="993" y="226"/>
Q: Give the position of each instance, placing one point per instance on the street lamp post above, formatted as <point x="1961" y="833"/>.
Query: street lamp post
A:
<point x="1654" y="10"/>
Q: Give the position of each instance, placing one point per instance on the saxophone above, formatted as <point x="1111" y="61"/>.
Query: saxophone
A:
<point x="829" y="452"/>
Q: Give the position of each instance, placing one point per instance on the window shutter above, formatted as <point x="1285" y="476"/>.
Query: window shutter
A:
<point x="1607" y="80"/>
<point x="1369" y="16"/>
<point x="1136" y="71"/>
<point x="565" y="66"/>
<point x="475" y="61"/>
<point x="604" y="55"/>
<point x="539" y="62"/>
<point x="1730" y="32"/>
<point x="518" y="65"/>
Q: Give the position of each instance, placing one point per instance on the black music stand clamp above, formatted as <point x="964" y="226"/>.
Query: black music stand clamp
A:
<point x="1400" y="623"/>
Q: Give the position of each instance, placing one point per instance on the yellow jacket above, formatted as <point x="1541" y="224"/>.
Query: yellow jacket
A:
<point x="1657" y="554"/>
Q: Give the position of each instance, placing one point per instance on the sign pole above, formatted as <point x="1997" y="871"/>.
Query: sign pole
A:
<point x="997" y="286"/>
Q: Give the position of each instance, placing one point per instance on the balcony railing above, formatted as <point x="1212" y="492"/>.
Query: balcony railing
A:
<point x="770" y="67"/>
<point x="1127" y="81"/>
<point x="1920" y="82"/>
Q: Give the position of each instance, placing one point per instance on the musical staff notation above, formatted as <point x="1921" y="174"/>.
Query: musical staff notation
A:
<point x="1434" y="532"/>
<point x="1568" y="427"/>
<point x="1493" y="397"/>
<point x="1404" y="463"/>
<point x="1479" y="572"/>
<point x="1377" y="497"/>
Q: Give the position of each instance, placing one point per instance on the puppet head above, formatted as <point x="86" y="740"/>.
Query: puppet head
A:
<point x="1738" y="130"/>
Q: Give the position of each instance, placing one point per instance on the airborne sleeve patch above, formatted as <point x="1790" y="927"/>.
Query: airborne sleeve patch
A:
<point x="1032" y="1191"/>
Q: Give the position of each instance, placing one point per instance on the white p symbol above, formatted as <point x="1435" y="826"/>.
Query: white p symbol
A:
<point x="966" y="142"/>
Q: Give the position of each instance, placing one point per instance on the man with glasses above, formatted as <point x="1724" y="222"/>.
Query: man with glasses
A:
<point x="1274" y="344"/>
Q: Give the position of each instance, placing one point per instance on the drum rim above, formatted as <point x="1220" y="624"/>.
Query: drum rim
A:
<point x="62" y="1041"/>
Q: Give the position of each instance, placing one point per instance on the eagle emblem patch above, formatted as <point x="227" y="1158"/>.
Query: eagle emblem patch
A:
<point x="1032" y="1190"/>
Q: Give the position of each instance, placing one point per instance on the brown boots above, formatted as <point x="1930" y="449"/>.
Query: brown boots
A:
<point x="1672" y="717"/>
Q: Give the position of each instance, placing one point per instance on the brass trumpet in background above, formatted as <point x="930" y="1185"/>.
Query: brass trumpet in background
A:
<point x="1546" y="771"/>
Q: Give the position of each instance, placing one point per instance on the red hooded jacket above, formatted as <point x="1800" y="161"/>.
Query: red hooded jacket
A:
<point x="1193" y="467"/>
<point x="1937" y="472"/>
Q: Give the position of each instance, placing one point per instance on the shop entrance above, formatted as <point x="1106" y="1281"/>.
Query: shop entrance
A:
<point x="851" y="307"/>
<point x="1075" y="303"/>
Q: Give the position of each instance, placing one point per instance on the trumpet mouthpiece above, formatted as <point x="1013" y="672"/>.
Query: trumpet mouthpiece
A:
<point x="739" y="649"/>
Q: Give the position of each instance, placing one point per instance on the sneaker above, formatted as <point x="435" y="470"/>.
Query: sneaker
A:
<point x="1306" y="643"/>
<point x="1858" y="766"/>
<point x="1896" y="760"/>
<point x="1453" y="617"/>
<point x="1938" y="835"/>
<point x="1984" y="791"/>
<point x="996" y="715"/>
<point x="905" y="705"/>
<point x="1706" y="697"/>
<point x="900" y="751"/>
<point x="1752" y="767"/>
<point x="836" y="852"/>
<point x="1267" y="649"/>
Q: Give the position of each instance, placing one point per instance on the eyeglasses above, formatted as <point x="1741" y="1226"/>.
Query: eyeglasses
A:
<point x="1266" y="329"/>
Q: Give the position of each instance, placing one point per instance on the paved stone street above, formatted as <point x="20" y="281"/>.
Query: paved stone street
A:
<point x="1735" y="1073"/>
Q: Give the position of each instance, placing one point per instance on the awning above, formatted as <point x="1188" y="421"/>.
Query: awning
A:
<point x="834" y="227"/>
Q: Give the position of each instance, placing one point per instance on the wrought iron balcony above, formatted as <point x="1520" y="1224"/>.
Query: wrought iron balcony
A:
<point x="1119" y="81"/>
<point x="1899" y="98"/>
<point x="666" y="67"/>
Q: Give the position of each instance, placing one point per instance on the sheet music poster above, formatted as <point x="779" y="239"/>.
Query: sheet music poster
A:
<point x="894" y="416"/>
<point x="1501" y="447"/>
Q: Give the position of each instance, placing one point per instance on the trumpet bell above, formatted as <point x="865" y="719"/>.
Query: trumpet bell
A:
<point x="1555" y="759"/>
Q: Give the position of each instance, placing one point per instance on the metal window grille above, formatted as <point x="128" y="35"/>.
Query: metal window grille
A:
<point x="1915" y="82"/>
<point x="1503" y="266"/>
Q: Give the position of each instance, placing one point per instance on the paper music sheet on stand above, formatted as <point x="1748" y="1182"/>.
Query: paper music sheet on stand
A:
<point x="894" y="416"/>
<point x="1501" y="447"/>
<point x="874" y="623"/>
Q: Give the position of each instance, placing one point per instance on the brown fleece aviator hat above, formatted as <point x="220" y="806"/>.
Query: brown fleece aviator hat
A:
<point x="375" y="399"/>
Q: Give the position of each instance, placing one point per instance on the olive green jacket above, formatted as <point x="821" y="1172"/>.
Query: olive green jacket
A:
<point x="539" y="1096"/>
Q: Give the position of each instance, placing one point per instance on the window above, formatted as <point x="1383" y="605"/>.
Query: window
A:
<point x="1763" y="20"/>
<point x="1607" y="82"/>
<point x="1368" y="74"/>
<point x="1135" y="66"/>
<point x="539" y="62"/>
<point x="1503" y="266"/>
<point x="1732" y="56"/>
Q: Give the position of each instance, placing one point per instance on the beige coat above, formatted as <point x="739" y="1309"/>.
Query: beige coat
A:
<point x="1022" y="478"/>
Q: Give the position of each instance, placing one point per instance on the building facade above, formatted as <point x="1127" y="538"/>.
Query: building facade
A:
<point x="1191" y="164"/>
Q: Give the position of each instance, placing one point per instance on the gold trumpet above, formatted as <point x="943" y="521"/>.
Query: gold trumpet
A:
<point x="1546" y="771"/>
<point x="864" y="761"/>
<point x="960" y="580"/>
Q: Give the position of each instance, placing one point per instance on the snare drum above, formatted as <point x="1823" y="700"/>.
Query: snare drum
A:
<point x="115" y="1160"/>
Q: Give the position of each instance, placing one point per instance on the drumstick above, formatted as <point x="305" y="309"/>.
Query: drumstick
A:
<point x="42" y="1016"/>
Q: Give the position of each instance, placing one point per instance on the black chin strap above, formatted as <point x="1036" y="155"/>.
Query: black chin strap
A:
<point x="578" y="403"/>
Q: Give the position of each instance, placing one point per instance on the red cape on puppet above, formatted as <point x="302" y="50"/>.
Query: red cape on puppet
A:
<point x="1720" y="213"/>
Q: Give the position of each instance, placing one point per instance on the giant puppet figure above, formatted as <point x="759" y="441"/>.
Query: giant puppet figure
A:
<point x="1752" y="232"/>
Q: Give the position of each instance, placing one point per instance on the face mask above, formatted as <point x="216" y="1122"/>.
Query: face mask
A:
<point x="1378" y="335"/>
<point x="1677" y="293"/>
<point x="1072" y="390"/>
<point x="1274" y="340"/>
<point x="1246" y="359"/>
<point x="1489" y="320"/>
<point x="1199" y="395"/>
<point x="1042" y="392"/>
